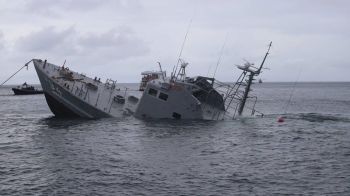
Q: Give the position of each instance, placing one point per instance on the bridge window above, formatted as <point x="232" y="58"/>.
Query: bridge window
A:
<point x="163" y="96"/>
<point x="152" y="92"/>
<point x="176" y="115"/>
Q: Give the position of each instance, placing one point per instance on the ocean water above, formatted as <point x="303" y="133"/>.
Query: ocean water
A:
<point x="308" y="154"/>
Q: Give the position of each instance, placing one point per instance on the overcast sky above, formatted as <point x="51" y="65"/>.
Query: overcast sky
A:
<point x="119" y="39"/>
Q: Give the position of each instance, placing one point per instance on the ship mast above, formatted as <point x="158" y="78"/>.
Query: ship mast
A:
<point x="182" y="71"/>
<point x="252" y="73"/>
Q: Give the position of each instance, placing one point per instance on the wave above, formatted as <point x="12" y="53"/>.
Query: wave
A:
<point x="313" y="117"/>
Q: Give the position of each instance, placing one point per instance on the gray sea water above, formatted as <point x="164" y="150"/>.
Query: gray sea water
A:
<point x="308" y="154"/>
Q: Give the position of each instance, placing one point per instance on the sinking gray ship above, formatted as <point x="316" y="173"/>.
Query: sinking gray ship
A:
<point x="70" y="94"/>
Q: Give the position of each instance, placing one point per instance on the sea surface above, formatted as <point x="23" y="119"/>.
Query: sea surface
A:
<point x="308" y="154"/>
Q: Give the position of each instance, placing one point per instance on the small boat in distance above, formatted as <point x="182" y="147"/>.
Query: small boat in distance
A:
<point x="260" y="81"/>
<point x="26" y="89"/>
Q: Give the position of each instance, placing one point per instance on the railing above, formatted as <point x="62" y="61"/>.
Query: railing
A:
<point x="232" y="95"/>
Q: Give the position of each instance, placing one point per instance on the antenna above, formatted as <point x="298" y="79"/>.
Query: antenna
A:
<point x="220" y="56"/>
<point x="183" y="45"/>
<point x="182" y="71"/>
<point x="172" y="73"/>
<point x="262" y="63"/>
<point x="293" y="90"/>
<point x="161" y="71"/>
<point x="250" y="81"/>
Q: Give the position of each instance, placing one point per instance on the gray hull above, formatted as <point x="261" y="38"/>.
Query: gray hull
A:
<point x="70" y="94"/>
<point x="61" y="101"/>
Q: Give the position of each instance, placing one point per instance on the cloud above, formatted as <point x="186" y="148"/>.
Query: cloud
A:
<point x="62" y="7"/>
<point x="114" y="43"/>
<point x="2" y="41"/>
<point x="48" y="40"/>
<point x="114" y="33"/>
<point x="65" y="5"/>
<point x="117" y="43"/>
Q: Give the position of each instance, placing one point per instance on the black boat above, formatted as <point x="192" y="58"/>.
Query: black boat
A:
<point x="26" y="89"/>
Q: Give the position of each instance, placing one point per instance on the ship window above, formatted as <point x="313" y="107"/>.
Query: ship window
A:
<point x="176" y="115"/>
<point x="152" y="92"/>
<point x="163" y="96"/>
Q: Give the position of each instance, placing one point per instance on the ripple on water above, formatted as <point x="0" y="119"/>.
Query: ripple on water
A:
<point x="308" y="154"/>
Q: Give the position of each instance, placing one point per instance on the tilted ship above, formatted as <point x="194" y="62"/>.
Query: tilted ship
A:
<point x="70" y="94"/>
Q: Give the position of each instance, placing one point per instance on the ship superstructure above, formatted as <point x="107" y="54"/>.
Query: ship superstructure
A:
<point x="182" y="97"/>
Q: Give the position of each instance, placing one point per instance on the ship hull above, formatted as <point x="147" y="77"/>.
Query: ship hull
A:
<point x="61" y="101"/>
<point x="70" y="94"/>
<point x="59" y="109"/>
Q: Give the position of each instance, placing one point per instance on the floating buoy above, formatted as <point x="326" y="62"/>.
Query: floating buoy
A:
<point x="280" y="119"/>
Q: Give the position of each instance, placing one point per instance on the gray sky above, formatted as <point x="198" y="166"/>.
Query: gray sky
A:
<point x="119" y="39"/>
